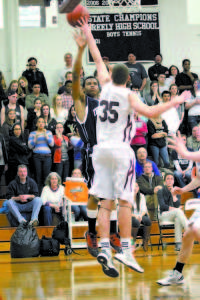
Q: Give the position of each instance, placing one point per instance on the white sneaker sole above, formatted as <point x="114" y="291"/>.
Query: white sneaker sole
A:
<point x="121" y="259"/>
<point x="109" y="271"/>
<point x="168" y="284"/>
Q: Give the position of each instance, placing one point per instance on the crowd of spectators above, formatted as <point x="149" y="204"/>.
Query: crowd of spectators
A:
<point x="39" y="136"/>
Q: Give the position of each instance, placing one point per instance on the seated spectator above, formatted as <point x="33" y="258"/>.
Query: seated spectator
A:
<point x="140" y="216"/>
<point x="41" y="142"/>
<point x="157" y="133"/>
<point x="3" y="157"/>
<point x="68" y="67"/>
<point x="182" y="166"/>
<point x="13" y="104"/>
<point x="18" y="153"/>
<point x="61" y="157"/>
<point x="180" y="108"/>
<point x="170" y="116"/>
<point x="77" y="143"/>
<point x="7" y="125"/>
<point x="157" y="69"/>
<point x="193" y="107"/>
<point x="141" y="160"/>
<point x="34" y="74"/>
<point x="58" y="112"/>
<point x="193" y="142"/>
<point x="163" y="83"/>
<point x="22" y="90"/>
<point x="169" y="209"/>
<point x="141" y="131"/>
<point x="137" y="72"/>
<point x="52" y="198"/>
<point x="154" y="96"/>
<point x="68" y="76"/>
<point x="149" y="184"/>
<point x="36" y="94"/>
<point x="185" y="79"/>
<point x="23" y="198"/>
<point x="50" y="123"/>
<point x="33" y="114"/>
<point x="80" y="211"/>
<point x="67" y="100"/>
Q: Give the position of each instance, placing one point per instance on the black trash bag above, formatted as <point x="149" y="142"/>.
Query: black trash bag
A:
<point x="49" y="247"/>
<point x="24" y="242"/>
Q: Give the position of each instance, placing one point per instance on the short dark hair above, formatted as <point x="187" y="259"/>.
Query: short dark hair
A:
<point x="32" y="58"/>
<point x="120" y="74"/>
<point x="67" y="81"/>
<point x="36" y="99"/>
<point x="186" y="59"/>
<point x="166" y="92"/>
<point x="89" y="77"/>
<point x="159" y="55"/>
<point x="36" y="82"/>
<point x="167" y="174"/>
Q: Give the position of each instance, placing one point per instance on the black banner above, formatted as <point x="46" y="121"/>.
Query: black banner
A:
<point x="117" y="35"/>
<point x="93" y="3"/>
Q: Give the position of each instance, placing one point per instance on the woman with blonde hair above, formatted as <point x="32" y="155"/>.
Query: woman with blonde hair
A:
<point x="2" y="81"/>
<point x="58" y="112"/>
<point x="22" y="90"/>
<point x="52" y="198"/>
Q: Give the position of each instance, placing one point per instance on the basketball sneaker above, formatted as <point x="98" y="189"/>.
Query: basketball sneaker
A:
<point x="92" y="244"/>
<point x="174" y="278"/>
<point x="128" y="259"/>
<point x="105" y="259"/>
<point x="115" y="242"/>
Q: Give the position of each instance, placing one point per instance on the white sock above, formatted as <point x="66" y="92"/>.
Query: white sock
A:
<point x="126" y="243"/>
<point x="105" y="245"/>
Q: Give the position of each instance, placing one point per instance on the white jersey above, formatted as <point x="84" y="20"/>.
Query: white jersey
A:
<point x="115" y="119"/>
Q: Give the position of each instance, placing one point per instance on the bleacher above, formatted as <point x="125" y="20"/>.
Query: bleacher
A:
<point x="78" y="231"/>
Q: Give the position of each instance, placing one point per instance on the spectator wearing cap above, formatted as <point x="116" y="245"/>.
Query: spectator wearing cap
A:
<point x="158" y="68"/>
<point x="67" y="100"/>
<point x="36" y="94"/>
<point x="34" y="74"/>
<point x="13" y="104"/>
<point x="138" y="73"/>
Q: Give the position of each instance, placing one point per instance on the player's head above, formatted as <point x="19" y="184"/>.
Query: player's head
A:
<point x="91" y="86"/>
<point x="120" y="74"/>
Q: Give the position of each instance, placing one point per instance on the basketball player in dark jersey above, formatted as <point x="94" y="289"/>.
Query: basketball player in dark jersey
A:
<point x="86" y="104"/>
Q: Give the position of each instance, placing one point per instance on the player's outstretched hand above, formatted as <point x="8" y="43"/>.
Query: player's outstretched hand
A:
<point x="177" y="191"/>
<point x="80" y="39"/>
<point x="186" y="95"/>
<point x="177" y="144"/>
<point x="84" y="26"/>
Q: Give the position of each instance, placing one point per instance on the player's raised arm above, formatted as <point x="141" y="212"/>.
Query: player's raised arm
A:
<point x="103" y="74"/>
<point x="155" y="110"/>
<point x="176" y="143"/>
<point x="77" y="93"/>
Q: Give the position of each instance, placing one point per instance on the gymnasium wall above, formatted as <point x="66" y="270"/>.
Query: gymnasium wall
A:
<point x="178" y="41"/>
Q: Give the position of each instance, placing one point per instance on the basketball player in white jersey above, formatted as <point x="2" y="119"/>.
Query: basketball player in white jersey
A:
<point x="193" y="232"/>
<point x="113" y="158"/>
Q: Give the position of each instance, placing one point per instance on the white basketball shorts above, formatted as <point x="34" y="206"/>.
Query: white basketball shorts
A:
<point x="114" y="172"/>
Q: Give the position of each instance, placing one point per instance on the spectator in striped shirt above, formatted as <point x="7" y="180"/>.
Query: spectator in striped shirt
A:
<point x="41" y="142"/>
<point x="67" y="100"/>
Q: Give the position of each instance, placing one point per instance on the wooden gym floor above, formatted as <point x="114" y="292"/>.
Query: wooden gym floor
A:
<point x="78" y="277"/>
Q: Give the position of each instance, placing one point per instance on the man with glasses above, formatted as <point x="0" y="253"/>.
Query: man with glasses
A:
<point x="34" y="74"/>
<point x="36" y="94"/>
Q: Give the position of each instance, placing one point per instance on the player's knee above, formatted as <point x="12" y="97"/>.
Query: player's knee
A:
<point x="92" y="203"/>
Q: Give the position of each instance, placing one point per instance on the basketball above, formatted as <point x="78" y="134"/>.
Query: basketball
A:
<point x="78" y="13"/>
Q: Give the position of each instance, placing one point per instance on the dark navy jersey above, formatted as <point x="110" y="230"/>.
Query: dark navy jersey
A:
<point x="87" y="128"/>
